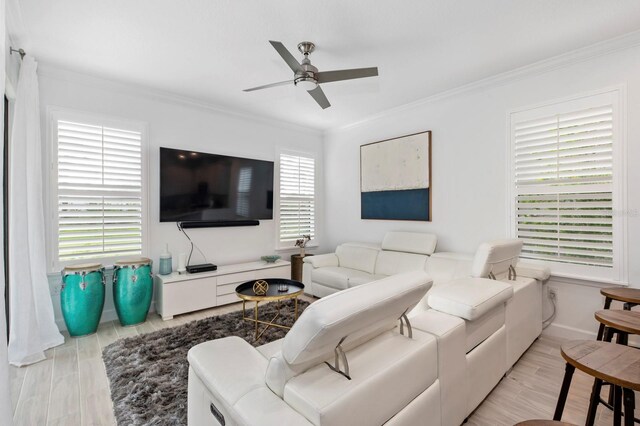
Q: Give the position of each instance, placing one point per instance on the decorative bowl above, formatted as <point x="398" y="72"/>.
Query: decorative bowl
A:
<point x="271" y="258"/>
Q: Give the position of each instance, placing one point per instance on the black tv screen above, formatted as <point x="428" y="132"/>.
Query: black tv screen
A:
<point x="195" y="186"/>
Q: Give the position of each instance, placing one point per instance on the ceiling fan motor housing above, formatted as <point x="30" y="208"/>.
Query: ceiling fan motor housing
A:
<point x="307" y="75"/>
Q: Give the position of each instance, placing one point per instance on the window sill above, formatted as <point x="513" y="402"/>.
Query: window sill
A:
<point x="585" y="281"/>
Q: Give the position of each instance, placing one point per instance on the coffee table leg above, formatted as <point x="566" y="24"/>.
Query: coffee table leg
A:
<point x="255" y="317"/>
<point x="564" y="391"/>
<point x="295" y="309"/>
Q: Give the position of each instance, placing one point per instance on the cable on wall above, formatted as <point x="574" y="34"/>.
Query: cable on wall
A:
<point x="552" y="297"/>
<point x="179" y="224"/>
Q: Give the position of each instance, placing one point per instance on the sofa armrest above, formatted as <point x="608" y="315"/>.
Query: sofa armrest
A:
<point x="228" y="367"/>
<point x="263" y="407"/>
<point x="451" y="335"/>
<point x="530" y="270"/>
<point x="469" y="298"/>
<point x="322" y="260"/>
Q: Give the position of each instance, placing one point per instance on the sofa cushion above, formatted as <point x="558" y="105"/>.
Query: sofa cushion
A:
<point x="359" y="313"/>
<point x="338" y="277"/>
<point x="351" y="313"/>
<point x="410" y="242"/>
<point x="354" y="256"/>
<point x="443" y="267"/>
<point x="383" y="381"/>
<point x="495" y="257"/>
<point x="469" y="298"/>
<point x="395" y="262"/>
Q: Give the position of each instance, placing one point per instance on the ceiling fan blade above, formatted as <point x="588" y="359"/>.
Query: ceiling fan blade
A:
<point x="266" y="86"/>
<point x="320" y="97"/>
<point x="286" y="55"/>
<point x="339" y="75"/>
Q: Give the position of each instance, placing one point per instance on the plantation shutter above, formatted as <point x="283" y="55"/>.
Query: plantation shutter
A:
<point x="99" y="191"/>
<point x="297" y="197"/>
<point x="563" y="167"/>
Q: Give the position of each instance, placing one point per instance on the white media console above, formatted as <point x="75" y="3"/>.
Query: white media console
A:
<point x="181" y="293"/>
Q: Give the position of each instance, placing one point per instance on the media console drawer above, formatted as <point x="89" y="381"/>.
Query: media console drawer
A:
<point x="178" y="294"/>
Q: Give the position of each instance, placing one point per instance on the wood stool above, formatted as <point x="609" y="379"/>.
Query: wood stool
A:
<point x="621" y="323"/>
<point x="618" y="322"/>
<point x="629" y="296"/>
<point x="605" y="361"/>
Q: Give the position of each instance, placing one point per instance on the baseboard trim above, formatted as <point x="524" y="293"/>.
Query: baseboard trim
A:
<point x="107" y="315"/>
<point x="567" y="332"/>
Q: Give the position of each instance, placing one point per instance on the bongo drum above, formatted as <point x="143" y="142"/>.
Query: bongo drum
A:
<point x="132" y="289"/>
<point x="82" y="297"/>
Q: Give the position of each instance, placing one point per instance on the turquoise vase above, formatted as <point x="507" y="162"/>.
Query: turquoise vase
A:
<point x="132" y="290"/>
<point x="82" y="298"/>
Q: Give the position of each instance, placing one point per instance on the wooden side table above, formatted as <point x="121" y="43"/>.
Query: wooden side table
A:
<point x="296" y="266"/>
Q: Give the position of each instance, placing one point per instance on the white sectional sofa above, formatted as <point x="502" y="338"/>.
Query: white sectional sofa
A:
<point x="354" y="264"/>
<point x="420" y="350"/>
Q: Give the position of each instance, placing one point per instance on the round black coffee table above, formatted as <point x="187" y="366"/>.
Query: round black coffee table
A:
<point x="278" y="289"/>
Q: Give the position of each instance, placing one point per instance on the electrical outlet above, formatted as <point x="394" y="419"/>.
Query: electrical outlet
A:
<point x="552" y="292"/>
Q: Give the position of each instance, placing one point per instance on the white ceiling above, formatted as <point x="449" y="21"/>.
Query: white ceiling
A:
<point x="210" y="50"/>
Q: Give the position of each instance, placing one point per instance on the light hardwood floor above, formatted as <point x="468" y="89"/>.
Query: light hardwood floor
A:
<point x="71" y="388"/>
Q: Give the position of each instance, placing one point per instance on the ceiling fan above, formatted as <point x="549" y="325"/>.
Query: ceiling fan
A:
<point x="307" y="77"/>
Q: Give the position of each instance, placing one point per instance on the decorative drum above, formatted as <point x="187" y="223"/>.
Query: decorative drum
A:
<point x="132" y="290"/>
<point x="82" y="297"/>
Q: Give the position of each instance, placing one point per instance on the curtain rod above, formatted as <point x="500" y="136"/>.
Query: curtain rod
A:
<point x="21" y="52"/>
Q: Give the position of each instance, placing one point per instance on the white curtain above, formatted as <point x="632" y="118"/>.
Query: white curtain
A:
<point x="32" y="326"/>
<point x="5" y="393"/>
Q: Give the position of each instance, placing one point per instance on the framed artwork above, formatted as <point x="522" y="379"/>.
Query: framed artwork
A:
<point x="395" y="178"/>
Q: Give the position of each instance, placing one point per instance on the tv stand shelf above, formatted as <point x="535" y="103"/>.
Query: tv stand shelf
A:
<point x="181" y="293"/>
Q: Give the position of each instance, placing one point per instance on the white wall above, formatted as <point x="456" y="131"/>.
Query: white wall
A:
<point x="469" y="160"/>
<point x="180" y="124"/>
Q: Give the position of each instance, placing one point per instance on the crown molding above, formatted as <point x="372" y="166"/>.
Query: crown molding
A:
<point x="603" y="48"/>
<point x="51" y="71"/>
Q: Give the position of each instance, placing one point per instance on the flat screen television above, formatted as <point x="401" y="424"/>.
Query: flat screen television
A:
<point x="199" y="187"/>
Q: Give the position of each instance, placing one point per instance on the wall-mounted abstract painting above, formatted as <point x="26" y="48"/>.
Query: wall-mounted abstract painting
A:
<point x="395" y="178"/>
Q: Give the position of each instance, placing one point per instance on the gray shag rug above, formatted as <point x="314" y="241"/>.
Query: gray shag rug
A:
<point x="148" y="373"/>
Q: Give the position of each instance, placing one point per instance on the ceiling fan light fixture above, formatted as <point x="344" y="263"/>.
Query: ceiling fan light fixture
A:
<point x="306" y="83"/>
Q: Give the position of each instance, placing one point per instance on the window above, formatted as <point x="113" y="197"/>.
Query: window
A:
<point x="297" y="198"/>
<point x="567" y="170"/>
<point x="99" y="202"/>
